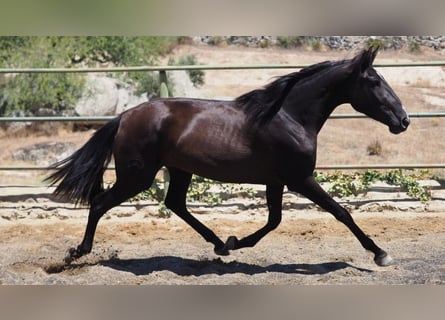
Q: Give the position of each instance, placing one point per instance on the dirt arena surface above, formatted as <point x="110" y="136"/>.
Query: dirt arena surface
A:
<point x="134" y="246"/>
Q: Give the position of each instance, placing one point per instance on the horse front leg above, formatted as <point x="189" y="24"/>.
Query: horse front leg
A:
<point x="313" y="191"/>
<point x="274" y="195"/>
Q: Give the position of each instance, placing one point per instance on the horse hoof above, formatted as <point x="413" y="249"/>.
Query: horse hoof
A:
<point x="70" y="255"/>
<point x="231" y="243"/>
<point x="221" y="251"/>
<point x="383" y="260"/>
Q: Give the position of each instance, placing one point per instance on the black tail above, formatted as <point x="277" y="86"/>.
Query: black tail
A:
<point x="80" y="176"/>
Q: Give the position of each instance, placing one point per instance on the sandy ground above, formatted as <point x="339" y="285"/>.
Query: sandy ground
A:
<point x="134" y="246"/>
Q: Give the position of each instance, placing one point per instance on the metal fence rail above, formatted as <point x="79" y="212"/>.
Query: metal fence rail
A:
<point x="163" y="69"/>
<point x="201" y="67"/>
<point x="108" y="118"/>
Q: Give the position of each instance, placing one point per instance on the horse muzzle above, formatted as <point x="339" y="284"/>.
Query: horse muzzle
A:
<point x="401" y="127"/>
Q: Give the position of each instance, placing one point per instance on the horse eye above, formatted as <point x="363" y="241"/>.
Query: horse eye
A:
<point x="375" y="81"/>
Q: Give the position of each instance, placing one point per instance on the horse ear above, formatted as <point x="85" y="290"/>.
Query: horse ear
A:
<point x="365" y="59"/>
<point x="373" y="54"/>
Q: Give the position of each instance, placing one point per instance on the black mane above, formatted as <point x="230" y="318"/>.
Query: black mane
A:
<point x="261" y="105"/>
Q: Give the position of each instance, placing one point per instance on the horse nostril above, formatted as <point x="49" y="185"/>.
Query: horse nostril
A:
<point x="405" y="122"/>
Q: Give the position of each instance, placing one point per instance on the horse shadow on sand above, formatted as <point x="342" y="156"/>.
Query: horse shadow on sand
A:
<point x="191" y="267"/>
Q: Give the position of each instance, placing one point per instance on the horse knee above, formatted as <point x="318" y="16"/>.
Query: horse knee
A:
<point x="97" y="210"/>
<point x="97" y="203"/>
<point x="105" y="201"/>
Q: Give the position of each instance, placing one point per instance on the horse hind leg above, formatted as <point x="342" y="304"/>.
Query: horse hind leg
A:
<point x="135" y="179"/>
<point x="99" y="206"/>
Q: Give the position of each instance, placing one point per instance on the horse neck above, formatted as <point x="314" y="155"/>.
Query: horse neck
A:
<point x="313" y="102"/>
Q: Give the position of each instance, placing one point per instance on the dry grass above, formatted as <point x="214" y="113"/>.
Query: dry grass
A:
<point x="346" y="142"/>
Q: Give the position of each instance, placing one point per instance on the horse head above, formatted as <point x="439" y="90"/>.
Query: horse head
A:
<point x="371" y="94"/>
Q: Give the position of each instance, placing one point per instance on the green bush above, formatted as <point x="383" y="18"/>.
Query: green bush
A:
<point x="196" y="76"/>
<point x="375" y="43"/>
<point x="414" y="47"/>
<point x="27" y="93"/>
<point x="291" y="42"/>
<point x="217" y="41"/>
<point x="148" y="83"/>
<point x="30" y="93"/>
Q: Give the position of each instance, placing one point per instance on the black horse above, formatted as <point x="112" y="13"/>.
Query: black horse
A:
<point x="266" y="136"/>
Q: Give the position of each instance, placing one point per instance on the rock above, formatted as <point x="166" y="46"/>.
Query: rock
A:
<point x="46" y="112"/>
<point x="127" y="98"/>
<point x="183" y="86"/>
<point x="44" y="153"/>
<point x="105" y="96"/>
<point x="100" y="97"/>
<point x="334" y="42"/>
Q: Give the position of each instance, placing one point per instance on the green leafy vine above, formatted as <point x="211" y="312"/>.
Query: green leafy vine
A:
<point x="345" y="185"/>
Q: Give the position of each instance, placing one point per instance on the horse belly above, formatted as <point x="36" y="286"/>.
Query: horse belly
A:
<point x="227" y="170"/>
